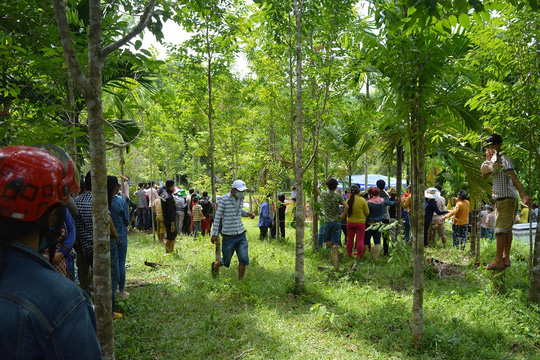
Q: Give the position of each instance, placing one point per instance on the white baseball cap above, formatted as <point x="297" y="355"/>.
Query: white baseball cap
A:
<point x="239" y="185"/>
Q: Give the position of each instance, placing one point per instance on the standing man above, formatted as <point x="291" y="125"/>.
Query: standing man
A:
<point x="142" y="206"/>
<point x="83" y="223"/>
<point x="229" y="211"/>
<point x="331" y="230"/>
<point x="505" y="184"/>
<point x="168" y="207"/>
<point x="265" y="220"/>
<point x="120" y="218"/>
<point x="437" y="223"/>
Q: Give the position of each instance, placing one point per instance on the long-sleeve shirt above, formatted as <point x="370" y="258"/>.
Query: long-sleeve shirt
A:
<point x="230" y="212"/>
<point x="377" y="209"/>
<point x="460" y="213"/>
<point x="69" y="224"/>
<point x="360" y="210"/>
<point x="264" y="215"/>
<point x="431" y="207"/>
<point x="120" y="216"/>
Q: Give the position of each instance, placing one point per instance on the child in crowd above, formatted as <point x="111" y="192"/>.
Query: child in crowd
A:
<point x="198" y="217"/>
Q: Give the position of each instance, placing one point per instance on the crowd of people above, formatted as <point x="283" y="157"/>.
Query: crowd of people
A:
<point x="41" y="222"/>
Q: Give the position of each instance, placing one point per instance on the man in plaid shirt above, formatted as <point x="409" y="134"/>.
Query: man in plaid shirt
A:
<point x="83" y="222"/>
<point x="506" y="187"/>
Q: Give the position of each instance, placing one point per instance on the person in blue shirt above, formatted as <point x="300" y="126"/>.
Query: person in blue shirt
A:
<point x="265" y="220"/>
<point x="43" y="315"/>
<point x="120" y="218"/>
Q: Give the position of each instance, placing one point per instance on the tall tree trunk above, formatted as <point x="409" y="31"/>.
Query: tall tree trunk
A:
<point x="298" y="169"/>
<point x="273" y="156"/>
<point x="211" y="132"/>
<point x="399" y="176"/>
<point x="91" y="88"/>
<point x="122" y="162"/>
<point x="291" y="96"/>
<point x="315" y="214"/>
<point x="418" y="155"/>
<point x="326" y="166"/>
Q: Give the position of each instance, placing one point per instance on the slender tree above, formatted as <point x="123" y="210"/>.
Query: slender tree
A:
<point x="90" y="85"/>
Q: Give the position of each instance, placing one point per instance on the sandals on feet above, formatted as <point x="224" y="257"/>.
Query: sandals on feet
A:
<point x="491" y="267"/>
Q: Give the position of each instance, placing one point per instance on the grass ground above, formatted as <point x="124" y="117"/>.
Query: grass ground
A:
<point x="178" y="311"/>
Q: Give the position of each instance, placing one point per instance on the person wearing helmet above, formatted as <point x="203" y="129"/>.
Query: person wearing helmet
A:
<point x="43" y="314"/>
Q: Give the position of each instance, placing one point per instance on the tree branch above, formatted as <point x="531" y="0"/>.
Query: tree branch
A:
<point x="143" y="22"/>
<point x="70" y="55"/>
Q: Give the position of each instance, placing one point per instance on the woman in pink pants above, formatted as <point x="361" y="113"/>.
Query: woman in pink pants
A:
<point x="356" y="221"/>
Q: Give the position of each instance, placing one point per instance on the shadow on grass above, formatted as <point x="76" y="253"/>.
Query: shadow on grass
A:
<point x="189" y="314"/>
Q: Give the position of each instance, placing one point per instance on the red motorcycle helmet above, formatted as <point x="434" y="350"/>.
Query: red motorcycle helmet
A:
<point x="32" y="179"/>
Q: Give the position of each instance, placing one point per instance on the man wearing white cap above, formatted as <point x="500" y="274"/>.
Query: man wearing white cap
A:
<point x="229" y="212"/>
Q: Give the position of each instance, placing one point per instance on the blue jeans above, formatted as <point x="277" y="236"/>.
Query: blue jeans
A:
<point x="114" y="268"/>
<point x="122" y="254"/>
<point x="196" y="228"/>
<point x="483" y="232"/>
<point x="331" y="231"/>
<point x="230" y="245"/>
<point x="489" y="234"/>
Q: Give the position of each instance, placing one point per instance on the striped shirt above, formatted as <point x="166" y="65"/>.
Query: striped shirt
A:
<point x="229" y="211"/>
<point x="503" y="187"/>
<point x="197" y="212"/>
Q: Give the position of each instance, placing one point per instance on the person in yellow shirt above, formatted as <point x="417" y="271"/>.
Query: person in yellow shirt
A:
<point x="460" y="223"/>
<point x="524" y="214"/>
<point x="356" y="221"/>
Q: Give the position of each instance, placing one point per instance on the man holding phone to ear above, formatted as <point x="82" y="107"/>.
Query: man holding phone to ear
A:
<point x="506" y="187"/>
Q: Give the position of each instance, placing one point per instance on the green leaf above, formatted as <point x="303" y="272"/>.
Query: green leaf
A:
<point x="464" y="21"/>
<point x="138" y="44"/>
<point x="453" y="20"/>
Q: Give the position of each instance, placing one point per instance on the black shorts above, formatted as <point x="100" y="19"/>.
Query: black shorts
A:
<point x="170" y="234"/>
